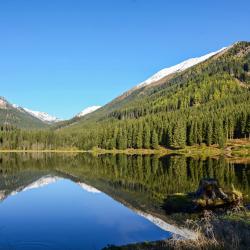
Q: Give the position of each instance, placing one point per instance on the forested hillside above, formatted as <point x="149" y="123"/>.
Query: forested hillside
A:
<point x="12" y="116"/>
<point x="207" y="103"/>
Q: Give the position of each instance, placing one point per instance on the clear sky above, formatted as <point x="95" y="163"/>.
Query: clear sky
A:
<point x="61" y="56"/>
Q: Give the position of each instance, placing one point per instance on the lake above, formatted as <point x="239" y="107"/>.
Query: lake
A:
<point x="81" y="201"/>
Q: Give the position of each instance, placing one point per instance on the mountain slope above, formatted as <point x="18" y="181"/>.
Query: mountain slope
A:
<point x="132" y="99"/>
<point x="209" y="97"/>
<point x="12" y="115"/>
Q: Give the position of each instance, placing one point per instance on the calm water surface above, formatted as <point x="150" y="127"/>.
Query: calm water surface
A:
<point x="77" y="201"/>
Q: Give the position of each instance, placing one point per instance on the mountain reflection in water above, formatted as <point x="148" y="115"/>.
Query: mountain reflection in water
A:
<point x="77" y="201"/>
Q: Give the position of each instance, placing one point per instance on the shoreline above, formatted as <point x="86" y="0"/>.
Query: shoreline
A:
<point x="234" y="149"/>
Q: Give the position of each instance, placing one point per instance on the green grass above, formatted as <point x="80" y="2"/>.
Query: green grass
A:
<point x="243" y="217"/>
<point x="233" y="149"/>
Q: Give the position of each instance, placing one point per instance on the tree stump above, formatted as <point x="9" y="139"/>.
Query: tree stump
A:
<point x="209" y="193"/>
<point x="210" y="189"/>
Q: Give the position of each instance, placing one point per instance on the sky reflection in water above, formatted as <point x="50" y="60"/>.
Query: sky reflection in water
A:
<point x="63" y="215"/>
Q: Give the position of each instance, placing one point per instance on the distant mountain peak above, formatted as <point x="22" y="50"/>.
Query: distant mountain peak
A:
<point x="177" y="68"/>
<point x="45" y="117"/>
<point x="42" y="116"/>
<point x="88" y="110"/>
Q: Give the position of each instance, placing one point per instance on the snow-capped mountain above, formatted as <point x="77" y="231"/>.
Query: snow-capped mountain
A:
<point x="42" y="116"/>
<point x="88" y="111"/>
<point x="45" y="117"/>
<point x="178" y="68"/>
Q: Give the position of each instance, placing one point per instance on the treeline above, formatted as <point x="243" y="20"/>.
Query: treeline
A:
<point x="213" y="123"/>
<point x="176" y="129"/>
<point x="12" y="138"/>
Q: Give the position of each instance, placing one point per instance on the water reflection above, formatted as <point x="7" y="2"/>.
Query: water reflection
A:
<point x="70" y="199"/>
<point x="62" y="215"/>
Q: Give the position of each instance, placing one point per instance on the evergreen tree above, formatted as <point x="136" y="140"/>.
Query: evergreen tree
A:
<point x="139" y="136"/>
<point x="209" y="133"/>
<point x="146" y="136"/>
<point x="179" y="135"/>
<point x="154" y="140"/>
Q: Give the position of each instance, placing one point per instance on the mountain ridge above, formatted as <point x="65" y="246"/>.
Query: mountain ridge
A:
<point x="178" y="68"/>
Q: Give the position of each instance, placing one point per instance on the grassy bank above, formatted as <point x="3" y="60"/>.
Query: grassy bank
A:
<point x="235" y="149"/>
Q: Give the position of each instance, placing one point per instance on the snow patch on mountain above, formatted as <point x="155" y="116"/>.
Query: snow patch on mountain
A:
<point x="178" y="68"/>
<point x="15" y="106"/>
<point x="88" y="111"/>
<point x="45" y="117"/>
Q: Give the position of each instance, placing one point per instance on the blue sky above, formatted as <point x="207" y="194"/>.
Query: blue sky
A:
<point x="61" y="56"/>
